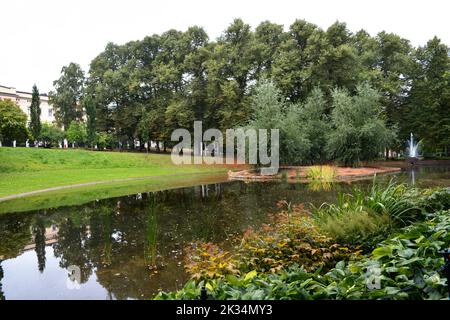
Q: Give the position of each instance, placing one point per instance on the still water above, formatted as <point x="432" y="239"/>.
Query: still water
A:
<point x="131" y="247"/>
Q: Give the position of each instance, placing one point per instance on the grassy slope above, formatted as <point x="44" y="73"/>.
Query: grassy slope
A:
<point x="80" y="195"/>
<point x="28" y="169"/>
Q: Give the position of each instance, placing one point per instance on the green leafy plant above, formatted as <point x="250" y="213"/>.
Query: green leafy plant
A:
<point x="438" y="200"/>
<point x="406" y="265"/>
<point x="400" y="202"/>
<point x="292" y="237"/>
<point x="363" y="217"/>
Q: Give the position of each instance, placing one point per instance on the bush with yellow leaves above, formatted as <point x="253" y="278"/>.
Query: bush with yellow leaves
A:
<point x="208" y="261"/>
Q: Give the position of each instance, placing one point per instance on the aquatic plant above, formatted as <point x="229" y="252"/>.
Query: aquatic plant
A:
<point x="321" y="173"/>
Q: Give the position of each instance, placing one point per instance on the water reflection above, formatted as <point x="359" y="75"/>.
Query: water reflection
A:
<point x="318" y="185"/>
<point x="130" y="247"/>
<point x="2" y="295"/>
<point x="426" y="176"/>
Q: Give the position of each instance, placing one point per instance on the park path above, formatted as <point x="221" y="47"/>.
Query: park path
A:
<point x="30" y="193"/>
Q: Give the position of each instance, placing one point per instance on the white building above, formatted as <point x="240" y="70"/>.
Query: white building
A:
<point x="23" y="100"/>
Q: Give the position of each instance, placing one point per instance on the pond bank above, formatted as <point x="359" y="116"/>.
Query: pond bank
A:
<point x="300" y="172"/>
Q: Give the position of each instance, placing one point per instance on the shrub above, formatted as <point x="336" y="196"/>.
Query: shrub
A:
<point x="438" y="200"/>
<point x="76" y="133"/>
<point x="353" y="227"/>
<point x="207" y="261"/>
<point x="105" y="140"/>
<point x="291" y="238"/>
<point x="51" y="135"/>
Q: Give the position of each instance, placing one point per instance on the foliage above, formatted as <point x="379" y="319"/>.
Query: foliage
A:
<point x="291" y="238"/>
<point x="105" y="140"/>
<point x="403" y="204"/>
<point x="311" y="120"/>
<point x="302" y="126"/>
<point x="67" y="95"/>
<point x="426" y="111"/>
<point x="438" y="200"/>
<point x="358" y="133"/>
<point x="407" y="266"/>
<point x="91" y="120"/>
<point x="354" y="133"/>
<point x="353" y="226"/>
<point x="13" y="122"/>
<point x="35" y="114"/>
<point x="146" y="88"/>
<point x="362" y="218"/>
<point x="208" y="261"/>
<point x="51" y="135"/>
<point x="76" y="133"/>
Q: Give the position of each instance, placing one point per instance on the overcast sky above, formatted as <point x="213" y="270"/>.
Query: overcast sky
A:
<point x="38" y="37"/>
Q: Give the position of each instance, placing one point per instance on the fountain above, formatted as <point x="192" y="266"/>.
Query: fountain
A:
<point x="413" y="154"/>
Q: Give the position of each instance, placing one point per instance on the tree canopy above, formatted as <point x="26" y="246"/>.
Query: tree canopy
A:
<point x="13" y="122"/>
<point x="67" y="95"/>
<point x="144" y="89"/>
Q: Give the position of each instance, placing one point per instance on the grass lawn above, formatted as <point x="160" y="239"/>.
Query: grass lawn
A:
<point x="29" y="169"/>
<point x="81" y="195"/>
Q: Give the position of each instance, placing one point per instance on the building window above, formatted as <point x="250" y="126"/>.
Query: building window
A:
<point x="50" y="112"/>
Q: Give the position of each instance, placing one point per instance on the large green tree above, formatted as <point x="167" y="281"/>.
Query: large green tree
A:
<point x="13" y="122"/>
<point x="67" y="95"/>
<point x="76" y="133"/>
<point x="146" y="88"/>
<point x="427" y="111"/>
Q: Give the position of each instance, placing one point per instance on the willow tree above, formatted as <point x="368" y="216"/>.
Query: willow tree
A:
<point x="358" y="132"/>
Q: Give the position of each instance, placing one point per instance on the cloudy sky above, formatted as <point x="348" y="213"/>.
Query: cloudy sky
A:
<point x="38" y="37"/>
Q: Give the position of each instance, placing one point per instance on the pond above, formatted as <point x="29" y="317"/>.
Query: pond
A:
<point x="131" y="247"/>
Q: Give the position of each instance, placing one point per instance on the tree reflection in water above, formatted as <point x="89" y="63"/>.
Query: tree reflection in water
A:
<point x="2" y="295"/>
<point x="150" y="248"/>
<point x="39" y="241"/>
<point x="72" y="248"/>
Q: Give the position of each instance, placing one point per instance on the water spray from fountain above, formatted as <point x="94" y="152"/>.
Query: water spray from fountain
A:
<point x="413" y="150"/>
